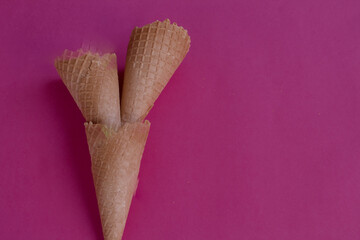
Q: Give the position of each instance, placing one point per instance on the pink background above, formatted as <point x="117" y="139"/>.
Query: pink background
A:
<point x="257" y="135"/>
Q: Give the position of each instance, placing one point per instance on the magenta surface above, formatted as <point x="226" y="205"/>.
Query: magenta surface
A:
<point x="257" y="135"/>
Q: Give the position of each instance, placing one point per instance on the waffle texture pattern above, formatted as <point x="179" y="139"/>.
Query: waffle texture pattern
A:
<point x="154" y="53"/>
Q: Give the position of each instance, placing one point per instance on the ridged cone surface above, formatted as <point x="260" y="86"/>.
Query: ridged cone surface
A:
<point x="115" y="157"/>
<point x="92" y="80"/>
<point x="154" y="53"/>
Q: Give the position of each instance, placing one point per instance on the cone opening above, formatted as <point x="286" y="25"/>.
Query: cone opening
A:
<point x="166" y="22"/>
<point x="69" y="54"/>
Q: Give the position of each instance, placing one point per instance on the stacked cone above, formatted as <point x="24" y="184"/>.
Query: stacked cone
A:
<point x="154" y="53"/>
<point x="117" y="141"/>
<point x="92" y="80"/>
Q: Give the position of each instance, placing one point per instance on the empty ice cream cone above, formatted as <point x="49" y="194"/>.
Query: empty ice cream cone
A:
<point x="115" y="158"/>
<point x="92" y="80"/>
<point x="154" y="53"/>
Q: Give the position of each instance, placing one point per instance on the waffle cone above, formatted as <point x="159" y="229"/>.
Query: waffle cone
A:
<point x="115" y="157"/>
<point x="154" y="53"/>
<point x="93" y="82"/>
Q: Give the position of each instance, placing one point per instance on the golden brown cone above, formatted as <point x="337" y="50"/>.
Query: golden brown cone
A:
<point x="154" y="53"/>
<point x="92" y="80"/>
<point x="115" y="158"/>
